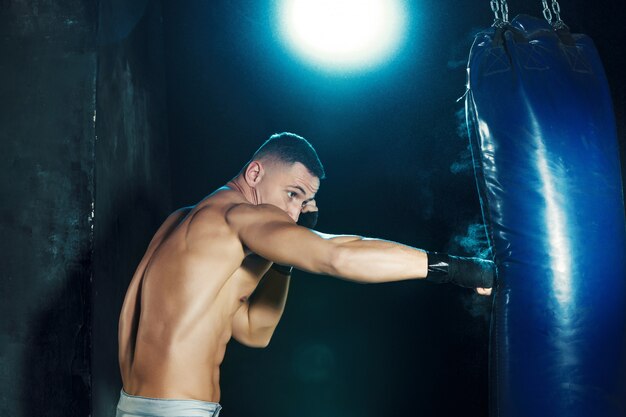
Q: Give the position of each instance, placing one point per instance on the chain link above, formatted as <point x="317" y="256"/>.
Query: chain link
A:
<point x="547" y="14"/>
<point x="495" y="8"/>
<point x="500" y="10"/>
<point x="556" y="8"/>
<point x="504" y="8"/>
<point x="555" y="12"/>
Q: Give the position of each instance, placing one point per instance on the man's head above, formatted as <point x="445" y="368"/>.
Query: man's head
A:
<point x="286" y="172"/>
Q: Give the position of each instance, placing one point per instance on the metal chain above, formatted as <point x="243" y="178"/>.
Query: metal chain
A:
<point x="495" y="8"/>
<point x="556" y="8"/>
<point x="547" y="14"/>
<point x="500" y="10"/>
<point x="556" y="12"/>
<point x="504" y="8"/>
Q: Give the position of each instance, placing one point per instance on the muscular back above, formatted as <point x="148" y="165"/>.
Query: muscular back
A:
<point x="178" y="311"/>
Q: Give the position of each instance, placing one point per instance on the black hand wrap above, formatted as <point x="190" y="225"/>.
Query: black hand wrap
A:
<point x="465" y="272"/>
<point x="308" y="220"/>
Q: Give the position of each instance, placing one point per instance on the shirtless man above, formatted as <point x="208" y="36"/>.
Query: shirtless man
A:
<point x="208" y="275"/>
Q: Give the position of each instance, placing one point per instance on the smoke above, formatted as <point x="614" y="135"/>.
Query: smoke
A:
<point x="472" y="241"/>
<point x="461" y="123"/>
<point x="471" y="237"/>
<point x="458" y="58"/>
<point x="464" y="162"/>
<point x="459" y="51"/>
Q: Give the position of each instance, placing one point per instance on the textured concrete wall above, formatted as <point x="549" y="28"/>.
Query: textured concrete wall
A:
<point x="132" y="171"/>
<point x="47" y="90"/>
<point x="84" y="182"/>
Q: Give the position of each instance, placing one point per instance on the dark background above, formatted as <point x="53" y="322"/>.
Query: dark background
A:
<point x="398" y="168"/>
<point x="183" y="92"/>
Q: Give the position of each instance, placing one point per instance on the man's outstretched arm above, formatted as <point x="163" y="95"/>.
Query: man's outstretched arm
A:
<point x="366" y="260"/>
<point x="269" y="232"/>
<point x="370" y="260"/>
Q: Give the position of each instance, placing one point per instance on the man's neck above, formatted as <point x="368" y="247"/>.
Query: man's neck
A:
<point x="239" y="184"/>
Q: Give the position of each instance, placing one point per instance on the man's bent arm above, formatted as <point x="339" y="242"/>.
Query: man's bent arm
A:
<point x="267" y="302"/>
<point x="255" y="322"/>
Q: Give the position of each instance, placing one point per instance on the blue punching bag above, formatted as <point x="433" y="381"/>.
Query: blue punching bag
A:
<point x="544" y="144"/>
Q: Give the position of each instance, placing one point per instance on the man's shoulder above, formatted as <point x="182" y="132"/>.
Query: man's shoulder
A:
<point x="210" y="213"/>
<point x="246" y="213"/>
<point x="215" y="205"/>
<point x="230" y="209"/>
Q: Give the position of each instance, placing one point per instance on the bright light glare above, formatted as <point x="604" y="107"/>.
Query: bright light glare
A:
<point x="343" y="34"/>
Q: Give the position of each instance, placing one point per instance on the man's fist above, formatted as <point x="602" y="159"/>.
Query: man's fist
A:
<point x="483" y="291"/>
<point x="475" y="273"/>
<point x="308" y="217"/>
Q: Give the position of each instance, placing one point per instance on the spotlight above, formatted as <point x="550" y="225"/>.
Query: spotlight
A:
<point x="342" y="35"/>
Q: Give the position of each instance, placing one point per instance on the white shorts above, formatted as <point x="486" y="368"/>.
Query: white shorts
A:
<point x="135" y="406"/>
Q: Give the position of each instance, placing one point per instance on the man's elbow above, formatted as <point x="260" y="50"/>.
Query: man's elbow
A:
<point x="342" y="265"/>
<point x="260" y="343"/>
<point x="260" y="339"/>
<point x="337" y="261"/>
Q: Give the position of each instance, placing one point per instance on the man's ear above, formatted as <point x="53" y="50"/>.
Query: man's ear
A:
<point x="254" y="173"/>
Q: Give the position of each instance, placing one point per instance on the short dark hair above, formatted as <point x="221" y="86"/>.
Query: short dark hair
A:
<point x="291" y="148"/>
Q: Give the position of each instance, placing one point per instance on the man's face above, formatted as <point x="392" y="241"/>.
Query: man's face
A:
<point x="289" y="187"/>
